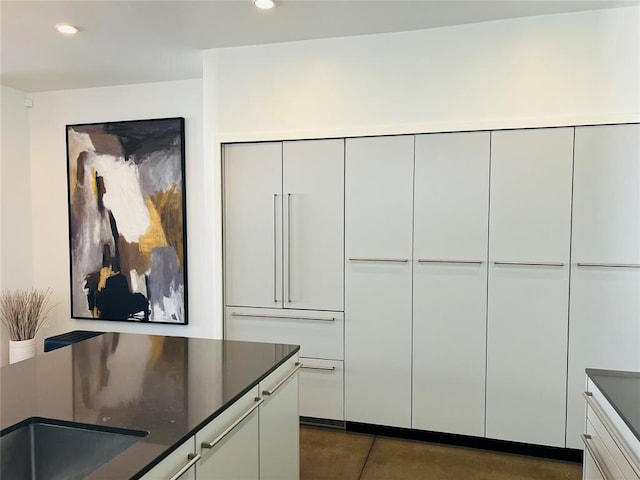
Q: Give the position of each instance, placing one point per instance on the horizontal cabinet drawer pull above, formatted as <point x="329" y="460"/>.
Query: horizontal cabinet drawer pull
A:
<point x="281" y="382"/>
<point x="259" y="401"/>
<point x="193" y="458"/>
<point x="611" y="430"/>
<point x="365" y="259"/>
<point x="287" y="317"/>
<point x="609" y="265"/>
<point x="596" y="458"/>
<point x="310" y="367"/>
<point x="467" y="262"/>
<point x="531" y="264"/>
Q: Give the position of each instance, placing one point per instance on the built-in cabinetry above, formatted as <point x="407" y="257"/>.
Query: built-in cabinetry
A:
<point x="527" y="320"/>
<point x="451" y="202"/>
<point x="604" y="330"/>
<point x="284" y="260"/>
<point x="257" y="437"/>
<point x="378" y="272"/>
<point x="483" y="272"/>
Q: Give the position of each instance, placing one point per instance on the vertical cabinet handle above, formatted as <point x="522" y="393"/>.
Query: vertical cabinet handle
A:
<point x="275" y="248"/>
<point x="288" y="247"/>
<point x="193" y="459"/>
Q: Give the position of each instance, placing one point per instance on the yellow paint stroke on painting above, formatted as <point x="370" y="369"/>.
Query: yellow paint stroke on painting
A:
<point x="154" y="236"/>
<point x="105" y="272"/>
<point x="94" y="185"/>
<point x="169" y="207"/>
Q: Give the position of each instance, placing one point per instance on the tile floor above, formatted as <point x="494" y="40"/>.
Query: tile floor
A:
<point x="331" y="454"/>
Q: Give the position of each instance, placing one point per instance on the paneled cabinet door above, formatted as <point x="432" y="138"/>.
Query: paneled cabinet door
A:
<point x="530" y="214"/>
<point x="450" y="282"/>
<point x="313" y="195"/>
<point x="280" y="424"/>
<point x="232" y="438"/>
<point x="253" y="224"/>
<point x="604" y="332"/>
<point x="606" y="195"/>
<point x="378" y="238"/>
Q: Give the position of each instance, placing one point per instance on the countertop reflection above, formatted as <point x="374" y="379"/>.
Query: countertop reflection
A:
<point x="168" y="386"/>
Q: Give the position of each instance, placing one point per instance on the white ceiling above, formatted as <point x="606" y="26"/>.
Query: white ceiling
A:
<point x="138" y="41"/>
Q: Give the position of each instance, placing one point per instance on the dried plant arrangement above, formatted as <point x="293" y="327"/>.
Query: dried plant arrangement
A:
<point x="23" y="312"/>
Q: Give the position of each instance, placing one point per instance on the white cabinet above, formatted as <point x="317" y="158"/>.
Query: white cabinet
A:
<point x="378" y="275"/>
<point x="606" y="195"/>
<point x="322" y="389"/>
<point x="450" y="282"/>
<point x="528" y="291"/>
<point x="229" y="444"/>
<point x="604" y="328"/>
<point x="612" y="450"/>
<point x="253" y="224"/>
<point x="283" y="224"/>
<point x="279" y="424"/>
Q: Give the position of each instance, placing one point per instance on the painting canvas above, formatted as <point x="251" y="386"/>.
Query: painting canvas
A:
<point x="127" y="220"/>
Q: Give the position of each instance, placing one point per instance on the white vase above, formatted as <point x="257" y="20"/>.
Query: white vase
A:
<point x="21" y="349"/>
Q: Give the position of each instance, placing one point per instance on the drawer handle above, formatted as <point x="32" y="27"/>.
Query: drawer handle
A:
<point x="287" y="317"/>
<point x="259" y="401"/>
<point x="596" y="457"/>
<point x="331" y="369"/>
<point x="531" y="264"/>
<point x="588" y="396"/>
<point x="193" y="458"/>
<point x="610" y="265"/>
<point x="281" y="382"/>
<point x="466" y="262"/>
<point x="364" y="259"/>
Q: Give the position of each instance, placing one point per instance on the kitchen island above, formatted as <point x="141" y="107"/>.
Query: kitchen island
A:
<point x="172" y="390"/>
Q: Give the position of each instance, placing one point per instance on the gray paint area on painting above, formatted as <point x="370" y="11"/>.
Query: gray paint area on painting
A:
<point x="165" y="289"/>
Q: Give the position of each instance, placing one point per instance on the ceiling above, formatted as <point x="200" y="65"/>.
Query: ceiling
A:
<point x="123" y="42"/>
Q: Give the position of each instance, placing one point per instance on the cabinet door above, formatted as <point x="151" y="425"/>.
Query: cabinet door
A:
<point x="253" y="224"/>
<point x="378" y="238"/>
<point x="234" y="434"/>
<point x="604" y="332"/>
<point x="450" y="294"/>
<point x="280" y="424"/>
<point x="527" y="354"/>
<point x="313" y="192"/>
<point x="606" y="195"/>
<point x="322" y="389"/>
<point x="180" y="460"/>
<point x="530" y="214"/>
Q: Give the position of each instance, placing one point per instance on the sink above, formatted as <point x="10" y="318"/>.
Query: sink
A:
<point x="40" y="448"/>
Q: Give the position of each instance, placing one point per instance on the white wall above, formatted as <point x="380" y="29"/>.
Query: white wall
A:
<point x="51" y="112"/>
<point x="15" y="199"/>
<point x="539" y="71"/>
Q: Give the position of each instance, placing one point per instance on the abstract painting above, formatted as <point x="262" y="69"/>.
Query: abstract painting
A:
<point x="127" y="220"/>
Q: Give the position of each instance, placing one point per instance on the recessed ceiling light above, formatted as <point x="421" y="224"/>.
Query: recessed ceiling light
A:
<point x="66" y="29"/>
<point x="264" y="4"/>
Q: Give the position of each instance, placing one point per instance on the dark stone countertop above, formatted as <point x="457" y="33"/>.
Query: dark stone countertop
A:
<point x="168" y="386"/>
<point x="622" y="389"/>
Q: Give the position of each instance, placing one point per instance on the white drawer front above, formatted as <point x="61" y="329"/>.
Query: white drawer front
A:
<point x="608" y="447"/>
<point x="601" y="446"/>
<point x="319" y="334"/>
<point x="322" y="389"/>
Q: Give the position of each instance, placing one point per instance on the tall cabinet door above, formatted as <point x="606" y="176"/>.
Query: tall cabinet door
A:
<point x="530" y="219"/>
<point x="313" y="193"/>
<point x="253" y="224"/>
<point x="604" y="328"/>
<point x="378" y="270"/>
<point x="450" y="282"/>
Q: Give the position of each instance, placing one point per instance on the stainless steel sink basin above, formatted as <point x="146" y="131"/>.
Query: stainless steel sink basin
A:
<point x="39" y="448"/>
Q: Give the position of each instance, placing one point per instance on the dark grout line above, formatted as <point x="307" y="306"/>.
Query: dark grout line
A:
<point x="367" y="457"/>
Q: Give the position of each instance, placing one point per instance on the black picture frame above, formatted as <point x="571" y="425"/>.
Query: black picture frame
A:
<point x="127" y="220"/>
